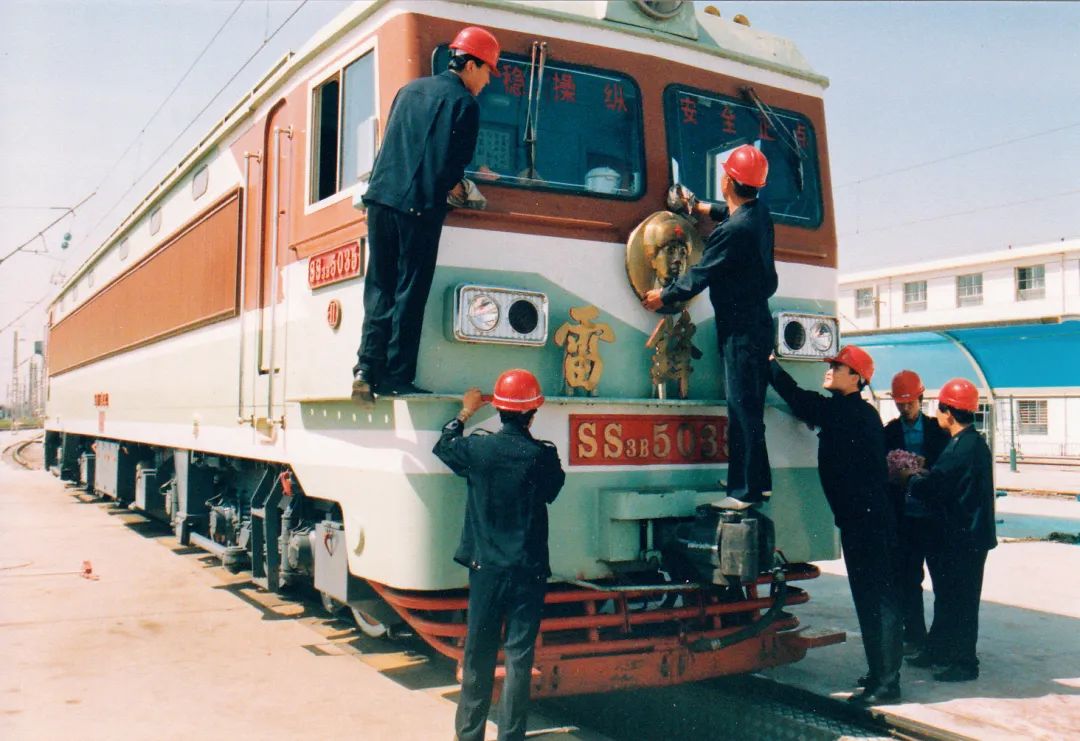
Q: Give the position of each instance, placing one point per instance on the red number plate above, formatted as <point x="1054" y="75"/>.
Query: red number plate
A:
<point x="334" y="266"/>
<point x="625" y="439"/>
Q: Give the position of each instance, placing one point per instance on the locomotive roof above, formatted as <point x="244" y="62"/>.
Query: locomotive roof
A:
<point x="690" y="28"/>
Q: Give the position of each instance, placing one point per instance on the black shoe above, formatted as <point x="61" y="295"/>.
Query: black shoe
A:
<point x="913" y="648"/>
<point x="923" y="660"/>
<point x="876" y="696"/>
<point x="399" y="388"/>
<point x="364" y="387"/>
<point x="864" y="681"/>
<point x="957" y="673"/>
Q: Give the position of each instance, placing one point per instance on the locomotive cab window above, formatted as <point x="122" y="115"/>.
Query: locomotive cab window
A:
<point x="588" y="125"/>
<point x="343" y="129"/>
<point x="703" y="128"/>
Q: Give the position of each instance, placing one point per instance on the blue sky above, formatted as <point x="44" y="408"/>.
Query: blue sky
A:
<point x="910" y="83"/>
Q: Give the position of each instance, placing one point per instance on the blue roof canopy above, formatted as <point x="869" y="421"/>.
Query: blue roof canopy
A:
<point x="1034" y="355"/>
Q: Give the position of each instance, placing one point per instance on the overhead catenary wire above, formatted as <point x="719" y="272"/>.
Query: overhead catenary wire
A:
<point x="51" y="224"/>
<point x="195" y="118"/>
<point x="965" y="153"/>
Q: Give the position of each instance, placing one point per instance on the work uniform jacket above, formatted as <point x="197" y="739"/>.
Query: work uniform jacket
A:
<point x="934" y="441"/>
<point x="851" y="456"/>
<point x="961" y="485"/>
<point x="430" y="138"/>
<point x="738" y="269"/>
<point x="512" y="477"/>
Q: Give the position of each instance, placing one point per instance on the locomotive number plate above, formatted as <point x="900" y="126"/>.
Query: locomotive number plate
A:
<point x="646" y="440"/>
<point x="334" y="266"/>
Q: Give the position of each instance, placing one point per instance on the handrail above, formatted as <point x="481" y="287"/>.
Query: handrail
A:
<point x="276" y="198"/>
<point x="248" y="156"/>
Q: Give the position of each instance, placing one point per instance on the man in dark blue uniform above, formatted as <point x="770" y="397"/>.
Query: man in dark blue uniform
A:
<point x="738" y="269"/>
<point x="919" y="523"/>
<point x="430" y="138"/>
<point x="854" y="477"/>
<point x="512" y="477"/>
<point x="961" y="485"/>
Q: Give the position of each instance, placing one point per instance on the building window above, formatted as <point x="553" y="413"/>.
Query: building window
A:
<point x="864" y="302"/>
<point x="969" y="290"/>
<point x="1031" y="283"/>
<point x="155" y="221"/>
<point x="984" y="418"/>
<point x="343" y="126"/>
<point x="1031" y="414"/>
<point x="915" y="296"/>
<point x="200" y="182"/>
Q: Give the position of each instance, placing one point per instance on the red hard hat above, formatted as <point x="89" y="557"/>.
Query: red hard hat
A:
<point x="857" y="359"/>
<point x="747" y="166"/>
<point x="907" y="386"/>
<point x="480" y="43"/>
<point x="517" y="390"/>
<point x="959" y="393"/>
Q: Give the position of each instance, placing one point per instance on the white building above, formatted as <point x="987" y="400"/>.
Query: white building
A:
<point x="1008" y="320"/>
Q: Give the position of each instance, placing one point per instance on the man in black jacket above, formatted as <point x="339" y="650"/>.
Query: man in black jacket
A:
<point x="920" y="525"/>
<point x="851" y="464"/>
<point x="512" y="477"/>
<point x="430" y="138"/>
<point x="738" y="269"/>
<point x="961" y="485"/>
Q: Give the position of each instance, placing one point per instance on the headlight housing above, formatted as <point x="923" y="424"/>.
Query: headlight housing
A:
<point x="802" y="336"/>
<point x="500" y="315"/>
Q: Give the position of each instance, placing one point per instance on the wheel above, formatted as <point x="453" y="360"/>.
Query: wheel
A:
<point x="368" y="625"/>
<point x="331" y="605"/>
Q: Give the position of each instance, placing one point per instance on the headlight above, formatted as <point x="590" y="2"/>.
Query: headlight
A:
<point x="500" y="315"/>
<point x="483" y="313"/>
<point x="806" y="336"/>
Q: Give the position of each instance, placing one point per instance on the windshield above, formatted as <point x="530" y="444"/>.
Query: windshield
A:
<point x="588" y="130"/>
<point x="703" y="128"/>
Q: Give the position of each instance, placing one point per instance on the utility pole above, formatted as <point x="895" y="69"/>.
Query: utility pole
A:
<point x="14" y="397"/>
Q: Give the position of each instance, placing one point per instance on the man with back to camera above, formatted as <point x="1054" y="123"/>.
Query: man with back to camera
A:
<point x="961" y="484"/>
<point x="430" y="139"/>
<point x="919" y="523"/>
<point x="512" y="477"/>
<point x="854" y="477"/>
<point x="738" y="269"/>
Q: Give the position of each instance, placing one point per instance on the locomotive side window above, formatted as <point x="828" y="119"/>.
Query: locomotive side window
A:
<point x="343" y="129"/>
<point x="703" y="128"/>
<point x="588" y="125"/>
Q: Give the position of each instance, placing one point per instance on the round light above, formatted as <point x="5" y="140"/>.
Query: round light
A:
<point x="523" y="316"/>
<point x="821" y="337"/>
<point x="794" y="335"/>
<point x="484" y="313"/>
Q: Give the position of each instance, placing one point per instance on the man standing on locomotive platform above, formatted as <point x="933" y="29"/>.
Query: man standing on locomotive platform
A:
<point x="919" y="524"/>
<point x="961" y="485"/>
<point x="738" y="269"/>
<point x="430" y="139"/>
<point x="512" y="477"/>
<point x="851" y="464"/>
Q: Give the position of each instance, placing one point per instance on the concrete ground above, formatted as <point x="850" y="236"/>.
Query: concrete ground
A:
<point x="1029" y="643"/>
<point x="1038" y="477"/>
<point x="161" y="643"/>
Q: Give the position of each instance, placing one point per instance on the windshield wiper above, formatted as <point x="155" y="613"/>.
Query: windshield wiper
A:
<point x="787" y="138"/>
<point x="532" y="105"/>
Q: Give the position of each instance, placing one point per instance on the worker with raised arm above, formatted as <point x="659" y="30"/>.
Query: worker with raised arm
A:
<point x="512" y="478"/>
<point x="854" y="477"/>
<point x="430" y="139"/>
<point x="738" y="269"/>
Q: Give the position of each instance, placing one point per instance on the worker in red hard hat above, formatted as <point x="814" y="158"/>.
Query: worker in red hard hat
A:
<point x="961" y="485"/>
<point x="430" y="139"/>
<point x="512" y="477"/>
<point x="854" y="477"/>
<point x="918" y="434"/>
<point x="737" y="267"/>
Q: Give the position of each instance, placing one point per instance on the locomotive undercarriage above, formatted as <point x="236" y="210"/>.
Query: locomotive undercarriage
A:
<point x="706" y="597"/>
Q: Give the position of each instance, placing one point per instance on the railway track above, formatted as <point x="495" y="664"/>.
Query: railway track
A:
<point x="15" y="451"/>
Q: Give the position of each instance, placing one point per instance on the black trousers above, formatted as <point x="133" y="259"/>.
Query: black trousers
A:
<point x="496" y="597"/>
<point x="958" y="576"/>
<point x="401" y="264"/>
<point x="746" y="377"/>
<point x="870" y="559"/>
<point x="917" y="536"/>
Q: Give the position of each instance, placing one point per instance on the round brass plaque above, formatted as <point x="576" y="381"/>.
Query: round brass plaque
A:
<point x="660" y="249"/>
